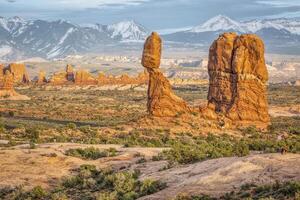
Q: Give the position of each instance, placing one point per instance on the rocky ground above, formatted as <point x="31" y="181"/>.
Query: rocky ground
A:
<point x="32" y="154"/>
<point x="47" y="164"/>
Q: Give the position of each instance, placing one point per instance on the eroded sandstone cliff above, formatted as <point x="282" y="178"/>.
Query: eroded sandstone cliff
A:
<point x="237" y="80"/>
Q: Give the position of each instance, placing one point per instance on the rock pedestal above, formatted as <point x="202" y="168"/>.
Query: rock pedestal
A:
<point x="162" y="102"/>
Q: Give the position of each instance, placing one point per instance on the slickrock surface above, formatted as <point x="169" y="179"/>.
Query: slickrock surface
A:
<point x="19" y="72"/>
<point x="162" y="102"/>
<point x="223" y="175"/>
<point x="20" y="165"/>
<point x="83" y="77"/>
<point x="238" y="76"/>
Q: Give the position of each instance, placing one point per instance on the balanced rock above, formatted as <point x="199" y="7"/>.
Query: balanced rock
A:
<point x="237" y="79"/>
<point x="162" y="102"/>
<point x="84" y="78"/>
<point x="19" y="72"/>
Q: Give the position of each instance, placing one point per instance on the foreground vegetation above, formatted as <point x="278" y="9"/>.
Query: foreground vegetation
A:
<point x="91" y="184"/>
<point x="279" y="191"/>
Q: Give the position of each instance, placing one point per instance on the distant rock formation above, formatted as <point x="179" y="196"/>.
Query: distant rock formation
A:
<point x="7" y="91"/>
<point x="237" y="79"/>
<point x="70" y="73"/>
<point x="42" y="78"/>
<point x="83" y="77"/>
<point x="19" y="72"/>
<point x="162" y="102"/>
<point x="124" y="79"/>
<point x="63" y="77"/>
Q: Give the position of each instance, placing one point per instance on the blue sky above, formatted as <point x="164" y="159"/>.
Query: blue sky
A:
<point x="154" y="14"/>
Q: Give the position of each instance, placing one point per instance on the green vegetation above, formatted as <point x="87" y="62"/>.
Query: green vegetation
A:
<point x="91" y="153"/>
<point x="286" y="190"/>
<point x="91" y="184"/>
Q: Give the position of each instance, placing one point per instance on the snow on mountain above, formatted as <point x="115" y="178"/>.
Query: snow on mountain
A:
<point x="218" y="23"/>
<point x="291" y="25"/>
<point x="128" y="31"/>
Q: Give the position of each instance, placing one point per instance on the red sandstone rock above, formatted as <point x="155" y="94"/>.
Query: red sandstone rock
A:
<point x="84" y="78"/>
<point x="238" y="77"/>
<point x="42" y="77"/>
<point x="19" y="72"/>
<point x="162" y="102"/>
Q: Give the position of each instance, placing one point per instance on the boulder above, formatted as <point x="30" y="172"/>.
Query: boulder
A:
<point x="162" y="102"/>
<point x="19" y="72"/>
<point x="237" y="80"/>
<point x="83" y="77"/>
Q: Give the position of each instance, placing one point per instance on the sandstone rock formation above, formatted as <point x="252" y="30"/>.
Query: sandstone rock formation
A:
<point x="83" y="77"/>
<point x="7" y="91"/>
<point x="70" y="73"/>
<point x="162" y="102"/>
<point x="237" y="79"/>
<point x="19" y="72"/>
<point x="1" y="73"/>
<point x="63" y="77"/>
<point x="42" y="78"/>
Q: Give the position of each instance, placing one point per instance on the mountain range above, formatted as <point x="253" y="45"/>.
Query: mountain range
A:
<point x="21" y="38"/>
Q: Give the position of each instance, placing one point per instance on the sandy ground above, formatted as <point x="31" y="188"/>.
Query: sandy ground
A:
<point x="285" y="111"/>
<point x="31" y="167"/>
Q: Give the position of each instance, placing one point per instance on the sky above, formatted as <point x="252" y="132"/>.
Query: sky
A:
<point x="154" y="14"/>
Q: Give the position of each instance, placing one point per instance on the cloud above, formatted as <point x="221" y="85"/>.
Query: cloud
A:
<point x="280" y="3"/>
<point x="77" y="4"/>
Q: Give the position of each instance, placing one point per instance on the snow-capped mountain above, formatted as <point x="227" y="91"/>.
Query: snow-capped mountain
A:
<point x="128" y="31"/>
<point x="280" y="35"/>
<point x="217" y="23"/>
<point x="22" y="38"/>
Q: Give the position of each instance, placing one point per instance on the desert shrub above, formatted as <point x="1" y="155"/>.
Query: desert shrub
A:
<point x="150" y="186"/>
<point x="241" y="148"/>
<point x="91" y="153"/>
<point x="11" y="113"/>
<point x="71" y="126"/>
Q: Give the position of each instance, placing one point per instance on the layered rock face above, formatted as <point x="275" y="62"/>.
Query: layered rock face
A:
<point x="84" y="78"/>
<point x="19" y="72"/>
<point x="237" y="79"/>
<point x="162" y="102"/>
<point x="1" y="73"/>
